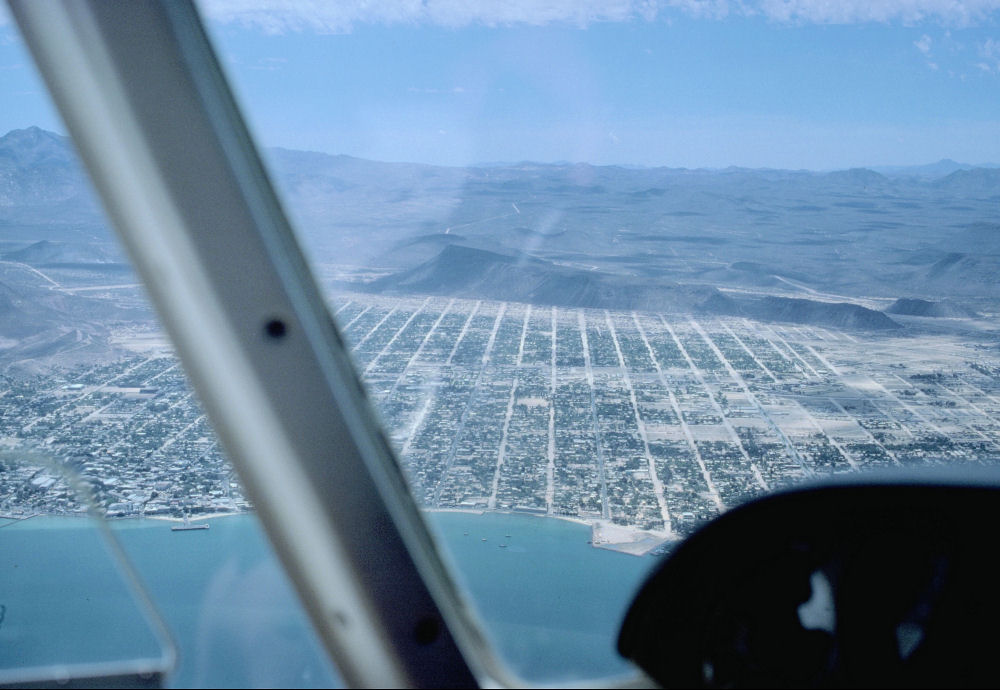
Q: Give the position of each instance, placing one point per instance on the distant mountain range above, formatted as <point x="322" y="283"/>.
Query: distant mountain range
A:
<point x="943" y="167"/>
<point x="779" y="244"/>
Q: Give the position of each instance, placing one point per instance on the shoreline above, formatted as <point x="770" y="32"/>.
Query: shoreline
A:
<point x="201" y="516"/>
<point x="603" y="533"/>
<point x="13" y="519"/>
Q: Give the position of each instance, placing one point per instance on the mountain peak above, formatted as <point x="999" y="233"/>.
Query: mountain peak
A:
<point x="31" y="134"/>
<point x="33" y="146"/>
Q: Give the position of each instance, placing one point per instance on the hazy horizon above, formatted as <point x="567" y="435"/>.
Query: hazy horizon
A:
<point x="755" y="84"/>
<point x="504" y="163"/>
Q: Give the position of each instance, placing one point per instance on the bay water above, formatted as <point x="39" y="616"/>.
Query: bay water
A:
<point x="549" y="601"/>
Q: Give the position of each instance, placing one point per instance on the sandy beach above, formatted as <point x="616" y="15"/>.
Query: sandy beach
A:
<point x="604" y="533"/>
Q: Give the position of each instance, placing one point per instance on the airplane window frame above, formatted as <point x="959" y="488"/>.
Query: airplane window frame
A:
<point x="151" y="114"/>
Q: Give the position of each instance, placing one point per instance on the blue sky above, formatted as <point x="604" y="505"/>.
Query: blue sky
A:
<point x="771" y="83"/>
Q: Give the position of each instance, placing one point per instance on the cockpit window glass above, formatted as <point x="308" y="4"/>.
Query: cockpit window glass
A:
<point x="606" y="269"/>
<point x="62" y="574"/>
<point x="610" y="270"/>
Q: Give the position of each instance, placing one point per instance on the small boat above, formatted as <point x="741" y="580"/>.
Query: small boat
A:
<point x="188" y="526"/>
<point x="503" y="546"/>
<point x="507" y="535"/>
<point x="484" y="539"/>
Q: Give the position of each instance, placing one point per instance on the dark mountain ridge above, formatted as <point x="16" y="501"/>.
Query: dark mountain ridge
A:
<point x="47" y="253"/>
<point x="921" y="307"/>
<point x="459" y="271"/>
<point x="474" y="273"/>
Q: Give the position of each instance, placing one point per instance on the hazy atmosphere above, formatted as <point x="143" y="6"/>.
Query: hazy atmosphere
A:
<point x="677" y="83"/>
<point x="607" y="271"/>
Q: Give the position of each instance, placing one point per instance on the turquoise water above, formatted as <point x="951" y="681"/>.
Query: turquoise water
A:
<point x="551" y="603"/>
<point x="63" y="600"/>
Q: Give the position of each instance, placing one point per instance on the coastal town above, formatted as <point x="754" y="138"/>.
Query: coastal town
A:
<point x="642" y="424"/>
